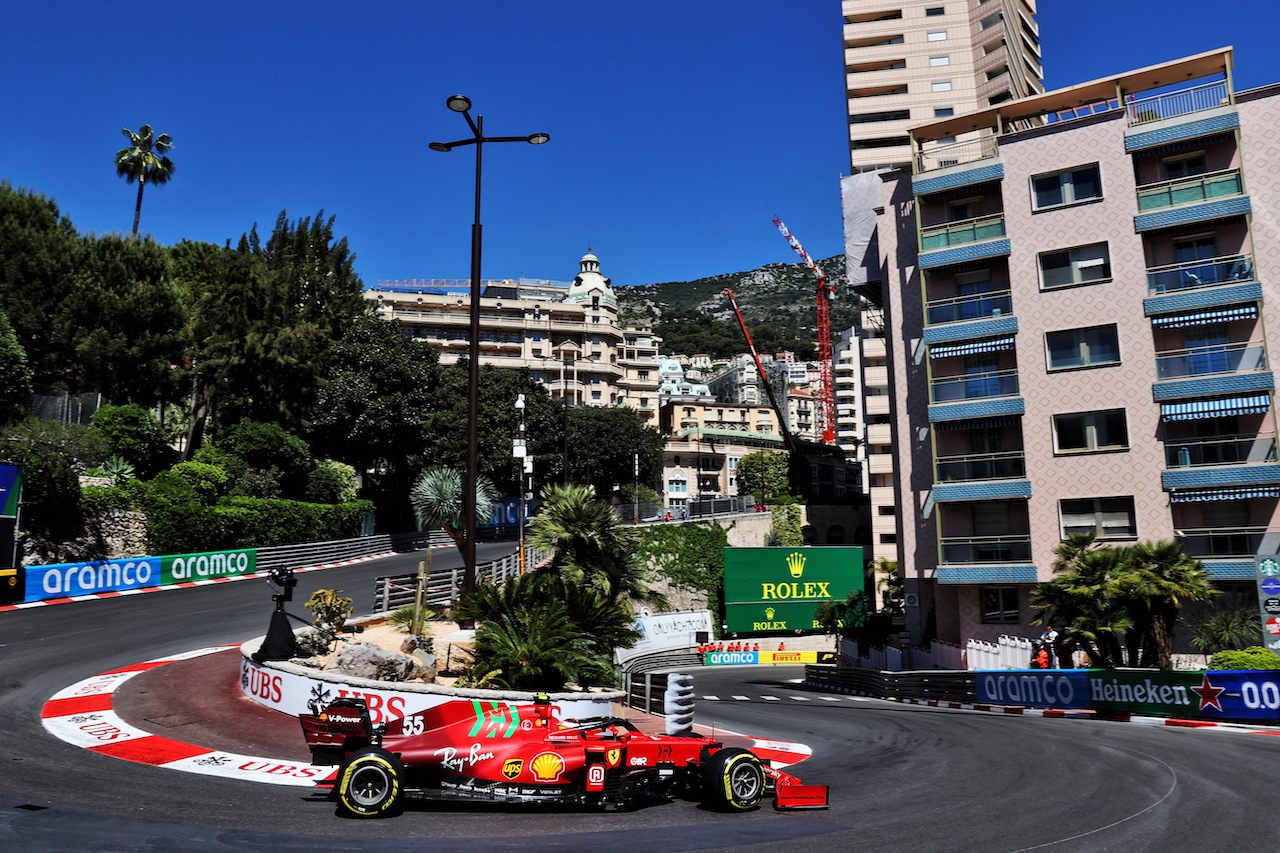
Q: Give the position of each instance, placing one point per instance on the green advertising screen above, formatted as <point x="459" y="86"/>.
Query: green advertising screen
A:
<point x="778" y="589"/>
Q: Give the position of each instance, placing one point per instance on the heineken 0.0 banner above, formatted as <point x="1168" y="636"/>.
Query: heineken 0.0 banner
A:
<point x="769" y="590"/>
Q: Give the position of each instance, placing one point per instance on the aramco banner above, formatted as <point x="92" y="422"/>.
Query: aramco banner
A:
<point x="767" y="590"/>
<point x="67" y="580"/>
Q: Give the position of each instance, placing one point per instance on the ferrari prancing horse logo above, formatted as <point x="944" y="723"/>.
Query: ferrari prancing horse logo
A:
<point x="614" y="756"/>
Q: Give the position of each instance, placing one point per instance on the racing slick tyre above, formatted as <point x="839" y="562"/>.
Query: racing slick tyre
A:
<point x="732" y="780"/>
<point x="371" y="783"/>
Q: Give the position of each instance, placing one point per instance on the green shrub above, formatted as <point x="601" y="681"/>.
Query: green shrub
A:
<point x="329" y="608"/>
<point x="210" y="482"/>
<point x="265" y="446"/>
<point x="135" y="435"/>
<point x="1255" y="657"/>
<point x="331" y="482"/>
<point x="96" y="498"/>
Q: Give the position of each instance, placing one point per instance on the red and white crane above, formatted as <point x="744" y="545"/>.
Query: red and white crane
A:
<point x="826" y="396"/>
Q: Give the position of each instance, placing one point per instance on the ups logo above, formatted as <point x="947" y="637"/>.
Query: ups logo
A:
<point x="511" y="767"/>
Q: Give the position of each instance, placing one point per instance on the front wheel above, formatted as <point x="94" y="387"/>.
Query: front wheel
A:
<point x="732" y="780"/>
<point x="370" y="784"/>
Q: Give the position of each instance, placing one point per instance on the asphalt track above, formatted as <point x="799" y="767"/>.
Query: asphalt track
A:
<point x="901" y="777"/>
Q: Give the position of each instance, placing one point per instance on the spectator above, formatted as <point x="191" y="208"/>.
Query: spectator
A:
<point x="1049" y="640"/>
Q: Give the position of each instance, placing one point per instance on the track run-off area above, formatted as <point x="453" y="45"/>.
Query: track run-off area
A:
<point x="902" y="777"/>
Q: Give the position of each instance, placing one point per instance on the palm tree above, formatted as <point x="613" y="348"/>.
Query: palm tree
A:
<point x="1160" y="579"/>
<point x="144" y="161"/>
<point x="437" y="501"/>
<point x="588" y="542"/>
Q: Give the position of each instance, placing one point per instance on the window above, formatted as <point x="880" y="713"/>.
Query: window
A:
<point x="964" y="208"/>
<point x="888" y="538"/>
<point x="940" y="35"/>
<point x="943" y="112"/>
<point x="537" y="337"/>
<point x="931" y="11"/>
<point x="1184" y="167"/>
<point x="940" y="60"/>
<point x="1090" y="431"/>
<point x="677" y="487"/>
<point x="1066" y="187"/>
<point x="884" y="510"/>
<point x="1081" y="265"/>
<point x="999" y="605"/>
<point x="992" y="20"/>
<point x="1107" y="518"/>
<point x="892" y="115"/>
<point x="1083" y="347"/>
<point x="942" y="86"/>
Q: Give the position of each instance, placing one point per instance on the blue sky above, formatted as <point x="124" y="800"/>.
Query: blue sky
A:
<point x="678" y="130"/>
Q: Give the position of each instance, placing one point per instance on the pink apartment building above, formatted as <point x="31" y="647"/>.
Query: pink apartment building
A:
<point x="1077" y="332"/>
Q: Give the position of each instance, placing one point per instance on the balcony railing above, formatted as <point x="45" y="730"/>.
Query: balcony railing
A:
<point x="1188" y="190"/>
<point x="956" y="153"/>
<point x="1202" y="273"/>
<point x="1246" y="357"/>
<point x="1203" y="97"/>
<point x="1224" y="450"/>
<point x="1011" y="465"/>
<point x="973" y="307"/>
<point x="1218" y="542"/>
<point x="959" y="233"/>
<point x="974" y="386"/>
<point x="1013" y="548"/>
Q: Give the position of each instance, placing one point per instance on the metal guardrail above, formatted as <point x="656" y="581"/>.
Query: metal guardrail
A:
<point x="334" y="550"/>
<point x="445" y="584"/>
<point x="930" y="684"/>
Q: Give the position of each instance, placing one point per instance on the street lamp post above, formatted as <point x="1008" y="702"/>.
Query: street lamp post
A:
<point x="462" y="104"/>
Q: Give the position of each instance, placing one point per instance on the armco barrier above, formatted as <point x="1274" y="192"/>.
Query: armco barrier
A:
<point x="922" y="684"/>
<point x="445" y="585"/>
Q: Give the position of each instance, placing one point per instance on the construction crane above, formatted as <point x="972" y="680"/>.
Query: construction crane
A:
<point x="826" y="397"/>
<point x="773" y="401"/>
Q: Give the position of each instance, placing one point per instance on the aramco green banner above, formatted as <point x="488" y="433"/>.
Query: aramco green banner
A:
<point x="778" y="589"/>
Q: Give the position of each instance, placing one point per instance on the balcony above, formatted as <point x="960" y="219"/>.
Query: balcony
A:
<point x="1216" y="359"/>
<point x="1173" y="104"/>
<point x="1010" y="465"/>
<point x="1189" y="275"/>
<point x="974" y="386"/>
<point x="1220" y="542"/>
<point x="1013" y="548"/>
<point x="956" y="154"/>
<point x="962" y="233"/>
<point x="972" y="307"/>
<point x="1222" y="450"/>
<point x="1227" y="182"/>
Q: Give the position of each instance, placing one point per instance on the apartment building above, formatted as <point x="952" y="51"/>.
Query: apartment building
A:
<point x="566" y="333"/>
<point x="909" y="61"/>
<point x="1083" y="343"/>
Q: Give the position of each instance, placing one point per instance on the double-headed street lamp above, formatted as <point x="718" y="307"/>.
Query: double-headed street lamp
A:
<point x="462" y="104"/>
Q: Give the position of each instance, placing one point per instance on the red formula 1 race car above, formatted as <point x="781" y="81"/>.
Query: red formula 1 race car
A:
<point x="494" y="752"/>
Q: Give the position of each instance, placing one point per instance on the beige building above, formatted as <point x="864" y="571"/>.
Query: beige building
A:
<point x="565" y="333"/>
<point x="911" y="61"/>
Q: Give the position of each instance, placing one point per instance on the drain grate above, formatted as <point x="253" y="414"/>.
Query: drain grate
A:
<point x="31" y="807"/>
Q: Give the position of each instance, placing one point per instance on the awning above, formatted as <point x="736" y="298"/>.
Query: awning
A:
<point x="990" y="345"/>
<point x="1240" y="494"/>
<point x="1177" y="321"/>
<point x="976" y="423"/>
<point x="1254" y="405"/>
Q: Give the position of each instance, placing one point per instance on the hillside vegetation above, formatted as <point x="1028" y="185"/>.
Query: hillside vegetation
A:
<point x="776" y="300"/>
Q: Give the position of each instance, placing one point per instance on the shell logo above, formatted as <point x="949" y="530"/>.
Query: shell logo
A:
<point x="614" y="756"/>
<point x="547" y="766"/>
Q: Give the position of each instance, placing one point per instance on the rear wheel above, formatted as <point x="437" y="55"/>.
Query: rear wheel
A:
<point x="732" y="780"/>
<point x="371" y="783"/>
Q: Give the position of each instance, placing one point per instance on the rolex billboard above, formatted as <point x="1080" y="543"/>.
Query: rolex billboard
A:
<point x="777" y="589"/>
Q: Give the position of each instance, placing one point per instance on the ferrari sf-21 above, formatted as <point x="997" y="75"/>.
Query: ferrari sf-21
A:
<point x="494" y="752"/>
